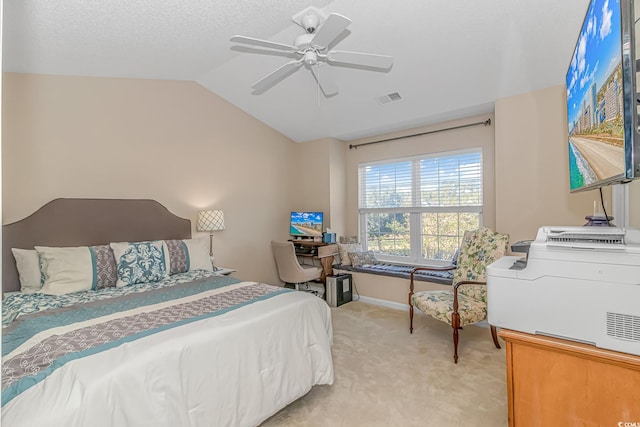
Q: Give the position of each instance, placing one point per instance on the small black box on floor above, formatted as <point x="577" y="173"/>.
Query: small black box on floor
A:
<point x="339" y="289"/>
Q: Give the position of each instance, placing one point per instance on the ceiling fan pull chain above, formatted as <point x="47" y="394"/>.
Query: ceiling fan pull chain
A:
<point x="318" y="86"/>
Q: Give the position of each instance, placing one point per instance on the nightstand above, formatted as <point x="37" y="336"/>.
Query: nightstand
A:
<point x="223" y="271"/>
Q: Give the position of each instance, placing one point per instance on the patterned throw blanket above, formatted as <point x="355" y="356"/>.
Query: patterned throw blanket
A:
<point x="35" y="345"/>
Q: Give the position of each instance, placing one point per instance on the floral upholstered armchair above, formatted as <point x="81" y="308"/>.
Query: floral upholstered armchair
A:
<point x="466" y="302"/>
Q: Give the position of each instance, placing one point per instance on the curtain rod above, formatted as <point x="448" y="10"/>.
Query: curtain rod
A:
<point x="486" y="123"/>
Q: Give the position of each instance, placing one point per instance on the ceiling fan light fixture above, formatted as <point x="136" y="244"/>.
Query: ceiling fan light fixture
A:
<point x="310" y="57"/>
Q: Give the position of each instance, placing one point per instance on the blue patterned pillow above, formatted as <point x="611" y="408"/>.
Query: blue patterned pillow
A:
<point x="140" y="262"/>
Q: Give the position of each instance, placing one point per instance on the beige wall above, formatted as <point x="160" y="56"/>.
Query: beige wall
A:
<point x="318" y="180"/>
<point x="171" y="141"/>
<point x="338" y="185"/>
<point x="532" y="166"/>
<point x="309" y="177"/>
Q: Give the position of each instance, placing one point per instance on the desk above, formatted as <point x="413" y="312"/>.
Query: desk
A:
<point x="324" y="252"/>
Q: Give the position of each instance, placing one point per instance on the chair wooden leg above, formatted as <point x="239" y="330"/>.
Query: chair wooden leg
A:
<point x="410" y="318"/>
<point x="494" y="335"/>
<point x="455" y="324"/>
<point x="455" y="345"/>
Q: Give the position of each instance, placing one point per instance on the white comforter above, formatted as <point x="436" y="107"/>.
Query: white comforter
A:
<point x="235" y="369"/>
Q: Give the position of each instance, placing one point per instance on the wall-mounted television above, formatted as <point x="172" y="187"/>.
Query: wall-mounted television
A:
<point x="602" y="107"/>
<point x="306" y="224"/>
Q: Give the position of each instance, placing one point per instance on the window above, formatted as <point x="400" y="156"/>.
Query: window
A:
<point x="416" y="210"/>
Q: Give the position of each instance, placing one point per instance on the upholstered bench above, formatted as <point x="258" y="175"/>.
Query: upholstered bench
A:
<point x="385" y="282"/>
<point x="388" y="283"/>
<point x="402" y="271"/>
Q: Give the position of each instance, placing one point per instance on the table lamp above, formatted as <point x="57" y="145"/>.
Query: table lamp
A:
<point x="210" y="221"/>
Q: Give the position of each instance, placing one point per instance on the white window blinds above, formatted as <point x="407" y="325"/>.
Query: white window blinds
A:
<point x="386" y="185"/>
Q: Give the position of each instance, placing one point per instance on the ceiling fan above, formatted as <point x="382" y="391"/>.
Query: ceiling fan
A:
<point x="312" y="49"/>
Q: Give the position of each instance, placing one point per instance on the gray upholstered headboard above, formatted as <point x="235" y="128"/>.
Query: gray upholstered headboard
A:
<point x="83" y="222"/>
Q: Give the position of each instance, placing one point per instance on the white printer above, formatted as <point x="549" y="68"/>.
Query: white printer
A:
<point x="576" y="283"/>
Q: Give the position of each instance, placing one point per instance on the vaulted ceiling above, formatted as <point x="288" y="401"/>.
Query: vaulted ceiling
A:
<point x="451" y="58"/>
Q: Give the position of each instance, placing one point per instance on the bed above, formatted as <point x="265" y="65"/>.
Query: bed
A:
<point x="189" y="349"/>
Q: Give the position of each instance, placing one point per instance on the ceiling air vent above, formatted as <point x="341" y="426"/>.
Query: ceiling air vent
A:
<point x="391" y="97"/>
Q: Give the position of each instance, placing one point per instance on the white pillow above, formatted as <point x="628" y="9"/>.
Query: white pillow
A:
<point x="140" y="262"/>
<point x="198" y="250"/>
<point x="66" y="270"/>
<point x="28" y="266"/>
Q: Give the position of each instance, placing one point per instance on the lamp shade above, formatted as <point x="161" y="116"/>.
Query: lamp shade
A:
<point x="210" y="221"/>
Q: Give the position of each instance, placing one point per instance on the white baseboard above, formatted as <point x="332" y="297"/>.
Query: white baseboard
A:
<point x="385" y="303"/>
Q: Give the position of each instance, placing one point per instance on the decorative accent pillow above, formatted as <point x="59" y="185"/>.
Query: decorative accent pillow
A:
<point x="345" y="248"/>
<point x="67" y="270"/>
<point x="362" y="258"/>
<point x="104" y="265"/>
<point x="189" y="254"/>
<point x="28" y="266"/>
<point x="140" y="262"/>
<point x="178" y="256"/>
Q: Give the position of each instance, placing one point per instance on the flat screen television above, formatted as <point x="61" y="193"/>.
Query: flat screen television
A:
<point x="602" y="110"/>
<point x="306" y="224"/>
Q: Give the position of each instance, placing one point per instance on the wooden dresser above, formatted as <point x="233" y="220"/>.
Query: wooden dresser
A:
<point x="555" y="382"/>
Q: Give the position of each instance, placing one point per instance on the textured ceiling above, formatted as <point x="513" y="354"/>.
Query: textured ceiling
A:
<point x="451" y="58"/>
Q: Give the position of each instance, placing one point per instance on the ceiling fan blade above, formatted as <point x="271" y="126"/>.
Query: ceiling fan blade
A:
<point x="263" y="43"/>
<point x="330" y="30"/>
<point x="359" y="58"/>
<point x="270" y="79"/>
<point x="327" y="85"/>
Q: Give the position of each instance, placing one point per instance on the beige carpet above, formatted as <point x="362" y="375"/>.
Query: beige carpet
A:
<point x="386" y="377"/>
